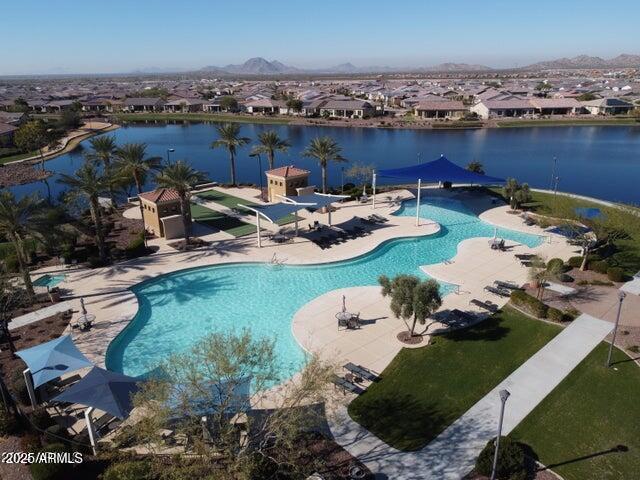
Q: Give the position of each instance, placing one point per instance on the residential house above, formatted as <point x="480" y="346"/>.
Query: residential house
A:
<point x="446" y="109"/>
<point x="13" y="118"/>
<point x="347" y="109"/>
<point x="514" y="107"/>
<point x="184" y="105"/>
<point x="556" y="106"/>
<point x="264" y="106"/>
<point x="6" y="134"/>
<point x="607" y="106"/>
<point x="142" y="104"/>
<point x="58" y="106"/>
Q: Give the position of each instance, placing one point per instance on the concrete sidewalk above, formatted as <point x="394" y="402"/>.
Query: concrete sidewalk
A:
<point x="452" y="454"/>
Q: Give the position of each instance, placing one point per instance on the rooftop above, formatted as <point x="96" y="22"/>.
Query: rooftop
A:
<point x="160" y="195"/>
<point x="288" y="171"/>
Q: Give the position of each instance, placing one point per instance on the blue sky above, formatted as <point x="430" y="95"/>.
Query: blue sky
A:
<point x="64" y="36"/>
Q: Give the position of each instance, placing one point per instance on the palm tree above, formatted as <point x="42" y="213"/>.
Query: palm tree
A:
<point x="325" y="150"/>
<point x="89" y="183"/>
<point x="229" y="137"/>
<point x="270" y="142"/>
<point x="132" y="163"/>
<point x="104" y="150"/>
<point x="180" y="176"/>
<point x="20" y="219"/>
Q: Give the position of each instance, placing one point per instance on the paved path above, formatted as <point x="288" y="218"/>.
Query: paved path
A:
<point x="451" y="455"/>
<point x="45" y="312"/>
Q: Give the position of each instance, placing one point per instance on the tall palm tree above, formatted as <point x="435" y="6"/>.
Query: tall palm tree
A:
<point x="104" y="151"/>
<point x="89" y="182"/>
<point x="132" y="163"/>
<point x="229" y="138"/>
<point x="270" y="142"/>
<point x="180" y="176"/>
<point x="325" y="150"/>
<point x="20" y="219"/>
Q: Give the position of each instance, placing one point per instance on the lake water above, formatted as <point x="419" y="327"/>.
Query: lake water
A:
<point x="603" y="162"/>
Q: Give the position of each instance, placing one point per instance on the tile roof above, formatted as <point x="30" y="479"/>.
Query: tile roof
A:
<point x="441" y="105"/>
<point x="6" y="128"/>
<point x="161" y="195"/>
<point x="288" y="171"/>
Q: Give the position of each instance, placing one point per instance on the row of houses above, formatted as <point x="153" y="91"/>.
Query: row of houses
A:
<point x="521" y="107"/>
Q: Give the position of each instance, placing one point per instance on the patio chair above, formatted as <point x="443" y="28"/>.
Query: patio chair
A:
<point x="346" y="386"/>
<point x="354" y="322"/>
<point x="506" y="285"/>
<point x="524" y="256"/>
<point x="361" y="372"/>
<point x="489" y="306"/>
<point x="379" y="219"/>
<point x="501" y="292"/>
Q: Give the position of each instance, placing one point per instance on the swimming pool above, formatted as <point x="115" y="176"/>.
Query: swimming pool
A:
<point x="49" y="281"/>
<point x="177" y="309"/>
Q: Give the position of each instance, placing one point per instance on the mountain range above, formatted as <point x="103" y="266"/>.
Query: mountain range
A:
<point x="260" y="66"/>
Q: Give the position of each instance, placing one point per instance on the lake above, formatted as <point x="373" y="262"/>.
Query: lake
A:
<point x="602" y="162"/>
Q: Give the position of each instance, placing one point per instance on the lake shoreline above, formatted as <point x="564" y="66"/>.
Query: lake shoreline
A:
<point x="374" y="122"/>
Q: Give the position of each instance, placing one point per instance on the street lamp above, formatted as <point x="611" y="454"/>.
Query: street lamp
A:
<point x="259" y="171"/>
<point x="504" y="394"/>
<point x="169" y="152"/>
<point x="621" y="297"/>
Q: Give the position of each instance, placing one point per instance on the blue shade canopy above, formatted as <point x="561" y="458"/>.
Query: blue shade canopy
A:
<point x="315" y="200"/>
<point x="273" y="212"/>
<point x="440" y="170"/>
<point x="107" y="391"/>
<point x="53" y="359"/>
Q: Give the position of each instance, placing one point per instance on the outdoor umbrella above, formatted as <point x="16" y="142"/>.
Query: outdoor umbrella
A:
<point x="104" y="390"/>
<point x="53" y="359"/>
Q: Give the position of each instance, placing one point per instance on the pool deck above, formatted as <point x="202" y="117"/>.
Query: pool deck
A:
<point x="107" y="295"/>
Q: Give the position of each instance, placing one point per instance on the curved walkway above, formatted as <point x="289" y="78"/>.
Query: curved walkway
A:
<point x="452" y="454"/>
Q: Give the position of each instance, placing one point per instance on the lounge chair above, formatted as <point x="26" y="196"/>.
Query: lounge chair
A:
<point x="378" y="218"/>
<point x="346" y="386"/>
<point x="507" y="285"/>
<point x="501" y="292"/>
<point x="360" y="371"/>
<point x="488" y="306"/>
<point x="524" y="256"/>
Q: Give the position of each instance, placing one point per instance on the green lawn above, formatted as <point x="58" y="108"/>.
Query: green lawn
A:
<point x="424" y="390"/>
<point x="231" y="201"/>
<point x="197" y="117"/>
<point x="17" y="156"/>
<point x="575" y="428"/>
<point x="223" y="222"/>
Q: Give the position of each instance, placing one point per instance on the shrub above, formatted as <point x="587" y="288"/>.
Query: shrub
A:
<point x="575" y="262"/>
<point x="565" y="277"/>
<point x="599" y="266"/>
<point x="128" y="470"/>
<point x="19" y="388"/>
<point x="8" y="423"/>
<point x="30" y="442"/>
<point x="94" y="262"/>
<point x="136" y="247"/>
<point x="529" y="304"/>
<point x="11" y="263"/>
<point x="555" y="263"/>
<point x="40" y="418"/>
<point x="511" y="459"/>
<point x="555" y="315"/>
<point x="56" y="434"/>
<point x="634" y="349"/>
<point x="49" y="471"/>
<point x="571" y="314"/>
<point x="616" y="274"/>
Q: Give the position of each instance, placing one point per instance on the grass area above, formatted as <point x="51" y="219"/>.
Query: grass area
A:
<point x="576" y="429"/>
<point x="424" y="390"/>
<point x="564" y="122"/>
<point x="231" y="201"/>
<point x="17" y="156"/>
<point x="220" y="221"/>
<point x="197" y="117"/>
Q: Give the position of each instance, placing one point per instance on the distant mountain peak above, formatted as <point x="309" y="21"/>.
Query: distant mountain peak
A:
<point x="624" y="60"/>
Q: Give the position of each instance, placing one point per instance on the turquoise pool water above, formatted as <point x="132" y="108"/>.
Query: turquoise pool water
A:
<point x="48" y="281"/>
<point x="177" y="309"/>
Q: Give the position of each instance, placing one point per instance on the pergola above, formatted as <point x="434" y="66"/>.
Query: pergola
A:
<point x="437" y="171"/>
<point x="290" y="205"/>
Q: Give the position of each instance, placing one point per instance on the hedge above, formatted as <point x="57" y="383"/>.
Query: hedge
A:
<point x="49" y="471"/>
<point x="599" y="266"/>
<point x="555" y="315"/>
<point x="529" y="304"/>
<point x="575" y="262"/>
<point x="511" y="459"/>
<point x="616" y="274"/>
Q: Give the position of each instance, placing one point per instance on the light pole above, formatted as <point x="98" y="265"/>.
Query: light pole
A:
<point x="504" y="394"/>
<point x="621" y="297"/>
<point x="259" y="171"/>
<point x="419" y="155"/>
<point x="169" y="152"/>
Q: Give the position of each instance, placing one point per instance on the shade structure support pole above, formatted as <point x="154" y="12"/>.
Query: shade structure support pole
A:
<point x="418" y="204"/>
<point x="258" y="230"/>
<point x="90" y="430"/>
<point x="373" y="186"/>
<point x="295" y="214"/>
<point x="28" y="380"/>
<point x="329" y="210"/>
